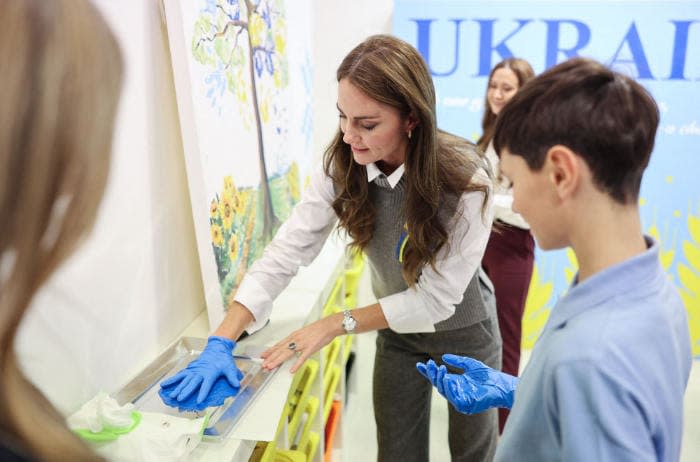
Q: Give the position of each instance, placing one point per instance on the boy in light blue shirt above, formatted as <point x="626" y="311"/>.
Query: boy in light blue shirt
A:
<point x="606" y="379"/>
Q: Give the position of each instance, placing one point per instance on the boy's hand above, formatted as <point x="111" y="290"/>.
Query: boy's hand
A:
<point x="477" y="389"/>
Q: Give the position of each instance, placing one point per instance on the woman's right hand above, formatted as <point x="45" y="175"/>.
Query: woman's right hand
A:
<point x="216" y="360"/>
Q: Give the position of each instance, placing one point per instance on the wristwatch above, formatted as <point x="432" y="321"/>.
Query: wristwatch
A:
<point x="349" y="323"/>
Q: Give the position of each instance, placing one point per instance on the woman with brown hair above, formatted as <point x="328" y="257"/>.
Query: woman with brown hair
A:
<point x="416" y="201"/>
<point x="510" y="253"/>
<point x="59" y="87"/>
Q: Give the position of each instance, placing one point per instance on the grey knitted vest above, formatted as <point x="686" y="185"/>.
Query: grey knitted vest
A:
<point x="478" y="303"/>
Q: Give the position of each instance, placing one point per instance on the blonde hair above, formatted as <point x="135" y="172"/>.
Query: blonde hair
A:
<point x="59" y="87"/>
<point x="439" y="167"/>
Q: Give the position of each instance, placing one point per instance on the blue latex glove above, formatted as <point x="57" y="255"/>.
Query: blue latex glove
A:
<point x="477" y="389"/>
<point x="434" y="373"/>
<point x="215" y="361"/>
<point x="216" y="397"/>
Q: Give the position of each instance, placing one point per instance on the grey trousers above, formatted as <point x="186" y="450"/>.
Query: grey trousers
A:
<point x="402" y="396"/>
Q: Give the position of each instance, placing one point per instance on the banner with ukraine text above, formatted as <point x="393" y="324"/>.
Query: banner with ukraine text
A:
<point x="657" y="43"/>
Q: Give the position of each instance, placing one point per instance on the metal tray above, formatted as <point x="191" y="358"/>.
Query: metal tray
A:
<point x="142" y="391"/>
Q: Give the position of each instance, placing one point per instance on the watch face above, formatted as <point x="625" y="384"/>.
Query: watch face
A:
<point x="349" y="323"/>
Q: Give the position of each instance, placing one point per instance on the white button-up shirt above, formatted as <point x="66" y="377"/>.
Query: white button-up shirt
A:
<point x="503" y="195"/>
<point x="417" y="309"/>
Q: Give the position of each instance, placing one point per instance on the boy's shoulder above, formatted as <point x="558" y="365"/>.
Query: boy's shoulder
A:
<point x="625" y="303"/>
<point x="629" y="331"/>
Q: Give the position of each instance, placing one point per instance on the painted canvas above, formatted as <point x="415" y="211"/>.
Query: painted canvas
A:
<point x="242" y="71"/>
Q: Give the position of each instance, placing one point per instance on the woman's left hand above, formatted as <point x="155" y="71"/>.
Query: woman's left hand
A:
<point x="303" y="343"/>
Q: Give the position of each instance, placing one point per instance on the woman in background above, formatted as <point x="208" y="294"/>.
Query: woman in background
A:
<point x="59" y="87"/>
<point x="510" y="252"/>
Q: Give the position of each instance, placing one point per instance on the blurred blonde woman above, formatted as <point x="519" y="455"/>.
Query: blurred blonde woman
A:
<point x="59" y="87"/>
<point x="510" y="253"/>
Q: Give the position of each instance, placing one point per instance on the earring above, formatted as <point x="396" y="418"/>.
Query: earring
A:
<point x="409" y="134"/>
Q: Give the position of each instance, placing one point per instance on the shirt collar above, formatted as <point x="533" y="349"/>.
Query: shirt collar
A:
<point x="373" y="172"/>
<point x="641" y="272"/>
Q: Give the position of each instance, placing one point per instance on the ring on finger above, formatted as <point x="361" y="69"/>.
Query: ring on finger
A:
<point x="292" y="346"/>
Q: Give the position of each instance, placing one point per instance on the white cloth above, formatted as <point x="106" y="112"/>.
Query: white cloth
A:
<point x="503" y="194"/>
<point x="100" y="412"/>
<point x="159" y="437"/>
<point x="303" y="234"/>
<point x="156" y="438"/>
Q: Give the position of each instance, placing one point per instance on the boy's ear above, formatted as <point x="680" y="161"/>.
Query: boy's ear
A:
<point x="564" y="170"/>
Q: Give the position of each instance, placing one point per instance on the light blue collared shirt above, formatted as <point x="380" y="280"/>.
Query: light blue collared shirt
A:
<point x="606" y="379"/>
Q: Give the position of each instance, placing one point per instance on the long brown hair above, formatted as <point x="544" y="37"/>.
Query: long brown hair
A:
<point x="523" y="71"/>
<point x="438" y="168"/>
<point x="59" y="87"/>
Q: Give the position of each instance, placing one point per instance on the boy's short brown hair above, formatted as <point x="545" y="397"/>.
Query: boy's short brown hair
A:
<point x="603" y="116"/>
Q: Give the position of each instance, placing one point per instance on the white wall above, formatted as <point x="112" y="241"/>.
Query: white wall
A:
<point x="135" y="285"/>
<point x="339" y="26"/>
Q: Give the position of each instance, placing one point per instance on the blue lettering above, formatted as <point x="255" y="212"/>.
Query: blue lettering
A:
<point x="423" y="44"/>
<point x="680" y="49"/>
<point x="486" y="47"/>
<point x="630" y="52"/>
<point x="639" y="59"/>
<point x="553" y="50"/>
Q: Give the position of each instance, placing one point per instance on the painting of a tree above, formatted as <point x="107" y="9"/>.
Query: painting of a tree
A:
<point x="243" y="73"/>
<point x="243" y="41"/>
